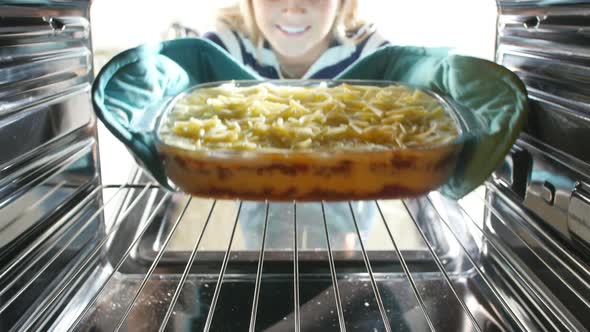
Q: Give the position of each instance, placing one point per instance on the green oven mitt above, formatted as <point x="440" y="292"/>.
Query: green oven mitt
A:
<point x="135" y="86"/>
<point x="132" y="89"/>
<point x="491" y="100"/>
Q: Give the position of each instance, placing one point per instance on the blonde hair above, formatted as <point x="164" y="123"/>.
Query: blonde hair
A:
<point x="240" y="17"/>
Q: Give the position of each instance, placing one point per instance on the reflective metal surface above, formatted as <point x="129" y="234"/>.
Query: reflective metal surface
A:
<point x="554" y="187"/>
<point x="551" y="278"/>
<point x="48" y="161"/>
<point x="405" y="266"/>
<point x="538" y="201"/>
<point x="78" y="256"/>
<point x="578" y="220"/>
<point x="549" y="49"/>
<point x="350" y="277"/>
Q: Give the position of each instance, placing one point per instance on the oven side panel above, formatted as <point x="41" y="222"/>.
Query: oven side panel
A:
<point x="47" y="127"/>
<point x="538" y="200"/>
<point x="548" y="170"/>
<point x="48" y="152"/>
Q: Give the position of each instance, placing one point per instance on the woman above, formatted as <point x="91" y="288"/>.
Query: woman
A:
<point x="295" y="38"/>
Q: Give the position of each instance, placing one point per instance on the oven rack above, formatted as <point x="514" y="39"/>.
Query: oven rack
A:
<point x="488" y="257"/>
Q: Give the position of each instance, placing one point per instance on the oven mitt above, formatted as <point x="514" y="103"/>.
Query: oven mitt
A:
<point x="491" y="100"/>
<point x="134" y="87"/>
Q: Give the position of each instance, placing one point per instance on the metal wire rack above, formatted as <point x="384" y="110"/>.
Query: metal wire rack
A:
<point x="156" y="264"/>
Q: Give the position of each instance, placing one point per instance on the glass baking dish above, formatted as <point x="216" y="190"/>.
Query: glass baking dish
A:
<point x="309" y="175"/>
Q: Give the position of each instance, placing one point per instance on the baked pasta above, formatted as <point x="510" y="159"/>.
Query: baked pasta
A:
<point x="268" y="117"/>
<point x="297" y="140"/>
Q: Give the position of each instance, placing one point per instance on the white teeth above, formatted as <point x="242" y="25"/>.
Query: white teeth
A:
<point x="291" y="29"/>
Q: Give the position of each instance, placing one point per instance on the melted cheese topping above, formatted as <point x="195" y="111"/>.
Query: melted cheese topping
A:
<point x="321" y="118"/>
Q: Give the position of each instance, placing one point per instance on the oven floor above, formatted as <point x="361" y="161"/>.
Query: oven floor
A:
<point x="318" y="310"/>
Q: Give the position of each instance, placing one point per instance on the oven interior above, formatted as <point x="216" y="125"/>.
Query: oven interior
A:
<point x="80" y="254"/>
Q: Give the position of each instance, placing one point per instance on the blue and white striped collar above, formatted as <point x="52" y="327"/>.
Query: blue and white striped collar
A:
<point x="335" y="59"/>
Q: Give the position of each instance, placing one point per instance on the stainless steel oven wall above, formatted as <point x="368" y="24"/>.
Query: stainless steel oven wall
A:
<point x="548" y="170"/>
<point x="538" y="202"/>
<point x="48" y="155"/>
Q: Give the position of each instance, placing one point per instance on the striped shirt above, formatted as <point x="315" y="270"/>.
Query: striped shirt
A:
<point x="334" y="60"/>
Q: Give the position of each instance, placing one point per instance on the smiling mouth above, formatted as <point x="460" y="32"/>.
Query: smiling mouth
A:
<point x="292" y="30"/>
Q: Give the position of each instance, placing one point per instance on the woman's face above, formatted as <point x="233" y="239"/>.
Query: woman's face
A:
<point x="294" y="27"/>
